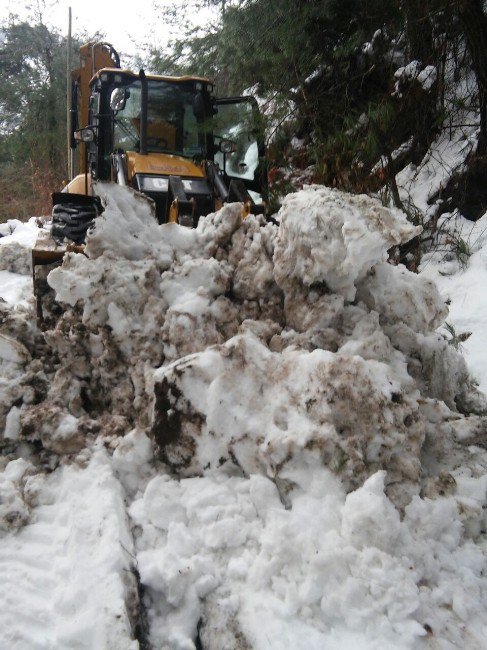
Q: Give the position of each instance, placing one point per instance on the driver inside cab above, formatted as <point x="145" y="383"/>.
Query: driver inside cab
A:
<point x="161" y="134"/>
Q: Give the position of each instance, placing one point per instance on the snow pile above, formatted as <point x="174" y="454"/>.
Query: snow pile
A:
<point x="326" y="236"/>
<point x="282" y="414"/>
<point x="14" y="511"/>
<point x="316" y="483"/>
<point x="166" y="298"/>
<point x="67" y="578"/>
<point x="328" y="571"/>
<point x="16" y="242"/>
<point x="350" y="384"/>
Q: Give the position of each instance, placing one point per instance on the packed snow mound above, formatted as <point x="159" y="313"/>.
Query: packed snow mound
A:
<point x="328" y="236"/>
<point x="14" y="511"/>
<point x="274" y="344"/>
<point x="16" y="242"/>
<point x="265" y="412"/>
<point x="295" y="439"/>
<point x="329" y="570"/>
<point x="420" y="307"/>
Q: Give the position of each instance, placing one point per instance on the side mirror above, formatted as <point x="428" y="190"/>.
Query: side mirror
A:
<point x="87" y="134"/>
<point x="118" y="99"/>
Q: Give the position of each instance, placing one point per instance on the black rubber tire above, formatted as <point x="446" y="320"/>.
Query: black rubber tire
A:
<point x="72" y="221"/>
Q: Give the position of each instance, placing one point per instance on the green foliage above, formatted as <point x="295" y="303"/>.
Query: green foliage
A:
<point x="460" y="248"/>
<point x="414" y="214"/>
<point x="323" y="68"/>
<point x="309" y="57"/>
<point x="31" y="75"/>
<point x="32" y="117"/>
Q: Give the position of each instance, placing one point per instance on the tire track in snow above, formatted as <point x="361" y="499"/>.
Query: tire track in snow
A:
<point x="67" y="581"/>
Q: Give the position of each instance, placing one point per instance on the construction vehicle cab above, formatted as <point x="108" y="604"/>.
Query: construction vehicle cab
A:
<point x="167" y="137"/>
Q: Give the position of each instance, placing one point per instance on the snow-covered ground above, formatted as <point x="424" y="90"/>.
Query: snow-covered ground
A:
<point x="66" y="575"/>
<point x="461" y="275"/>
<point x="251" y="435"/>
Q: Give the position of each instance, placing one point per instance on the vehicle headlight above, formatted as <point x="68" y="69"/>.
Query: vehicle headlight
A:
<point x="153" y="183"/>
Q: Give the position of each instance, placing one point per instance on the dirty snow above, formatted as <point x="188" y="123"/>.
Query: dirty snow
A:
<point x="248" y="434"/>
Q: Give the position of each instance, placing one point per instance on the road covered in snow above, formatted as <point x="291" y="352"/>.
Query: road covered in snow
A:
<point x="242" y="436"/>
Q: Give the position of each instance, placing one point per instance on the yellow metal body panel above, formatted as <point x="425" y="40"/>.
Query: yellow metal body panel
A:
<point x="246" y="209"/>
<point x="152" y="77"/>
<point x="78" y="185"/>
<point x="174" y="212"/>
<point x="92" y="57"/>
<point x="163" y="164"/>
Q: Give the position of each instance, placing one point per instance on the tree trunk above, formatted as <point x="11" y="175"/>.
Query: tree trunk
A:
<point x="419" y="32"/>
<point x="474" y="25"/>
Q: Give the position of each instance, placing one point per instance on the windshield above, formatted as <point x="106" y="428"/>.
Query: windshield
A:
<point x="171" y="124"/>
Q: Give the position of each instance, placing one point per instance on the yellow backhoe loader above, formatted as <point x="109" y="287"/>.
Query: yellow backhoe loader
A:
<point x="167" y="137"/>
